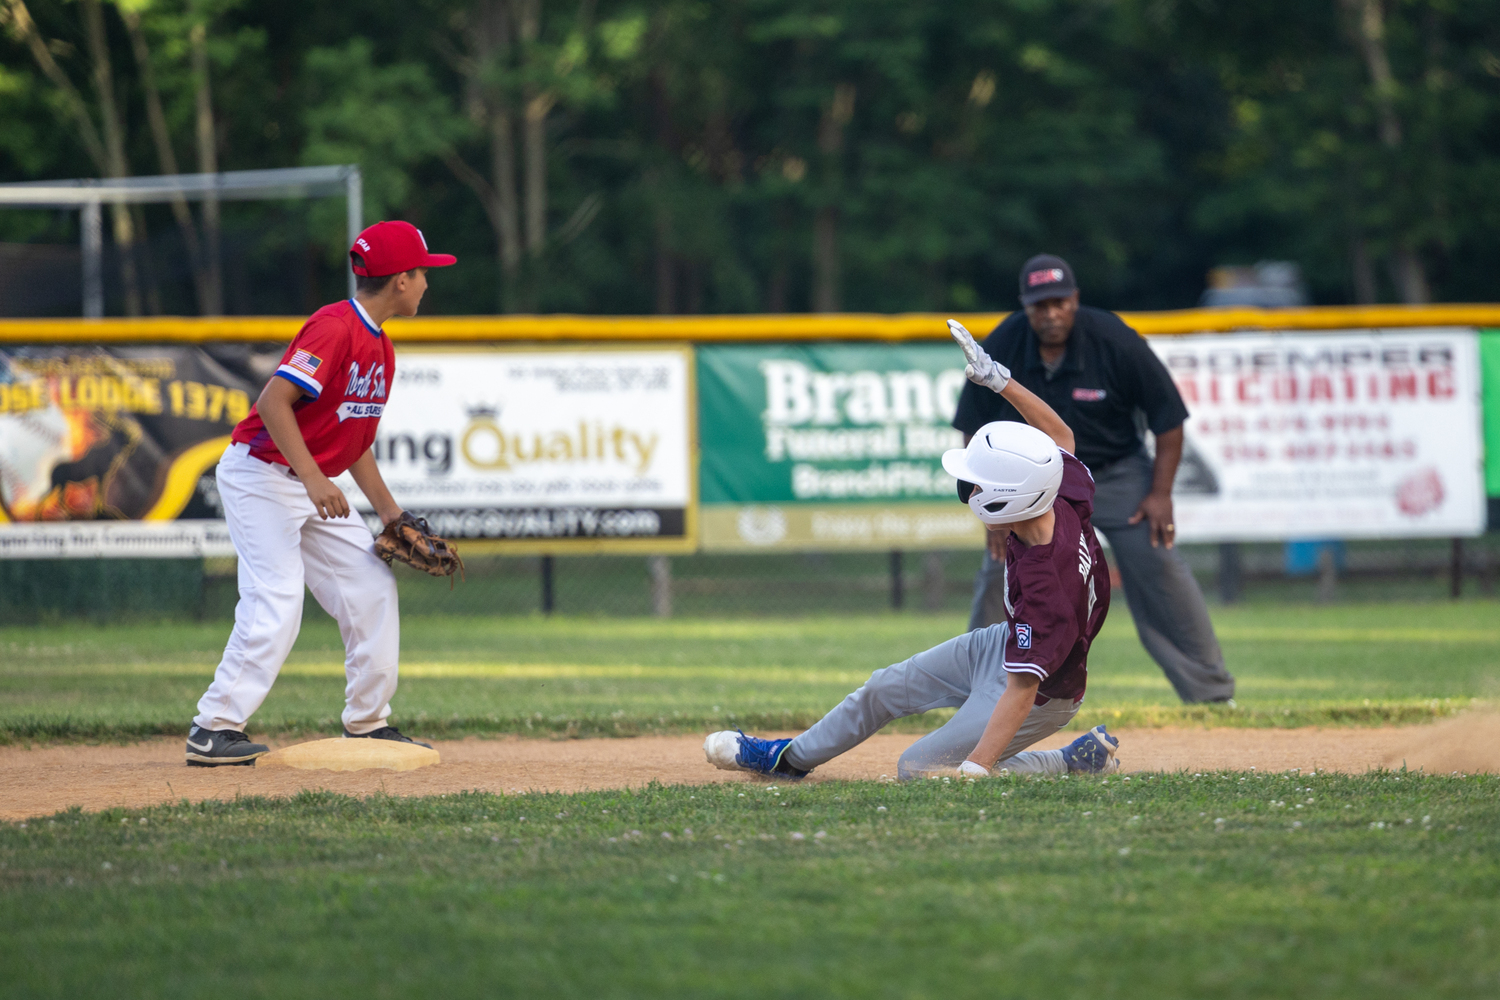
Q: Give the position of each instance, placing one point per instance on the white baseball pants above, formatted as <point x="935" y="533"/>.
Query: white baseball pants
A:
<point x="283" y="544"/>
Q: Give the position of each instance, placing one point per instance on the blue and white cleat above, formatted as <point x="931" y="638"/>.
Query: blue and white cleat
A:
<point x="734" y="751"/>
<point x="1093" y="752"/>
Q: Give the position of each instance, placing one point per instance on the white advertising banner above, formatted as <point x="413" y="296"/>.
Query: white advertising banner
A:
<point x="1347" y="434"/>
<point x="545" y="448"/>
<point x="194" y="539"/>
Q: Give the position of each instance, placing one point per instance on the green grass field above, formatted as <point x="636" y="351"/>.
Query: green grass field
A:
<point x="1296" y="665"/>
<point x="1371" y="886"/>
<point x="1220" y="885"/>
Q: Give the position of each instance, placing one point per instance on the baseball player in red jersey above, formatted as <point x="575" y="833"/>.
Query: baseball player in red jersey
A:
<point x="1015" y="682"/>
<point x="291" y="526"/>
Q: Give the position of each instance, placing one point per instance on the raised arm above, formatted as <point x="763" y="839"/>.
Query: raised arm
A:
<point x="986" y="371"/>
<point x="1035" y="411"/>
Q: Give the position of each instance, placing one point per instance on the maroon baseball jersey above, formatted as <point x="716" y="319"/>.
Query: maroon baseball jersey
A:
<point x="344" y="364"/>
<point x="1056" y="595"/>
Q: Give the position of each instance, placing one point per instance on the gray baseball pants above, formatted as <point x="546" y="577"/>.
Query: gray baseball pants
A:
<point x="1170" y="615"/>
<point x="966" y="673"/>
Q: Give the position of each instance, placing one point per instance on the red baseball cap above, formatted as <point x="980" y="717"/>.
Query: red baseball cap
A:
<point x="393" y="247"/>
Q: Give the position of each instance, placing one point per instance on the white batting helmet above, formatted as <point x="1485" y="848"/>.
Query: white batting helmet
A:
<point x="1016" y="468"/>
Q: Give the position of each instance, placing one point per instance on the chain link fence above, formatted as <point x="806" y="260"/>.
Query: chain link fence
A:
<point x="720" y="585"/>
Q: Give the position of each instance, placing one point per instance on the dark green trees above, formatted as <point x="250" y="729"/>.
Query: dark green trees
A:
<point x="783" y="155"/>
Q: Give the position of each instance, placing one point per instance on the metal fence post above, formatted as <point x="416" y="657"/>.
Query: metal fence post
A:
<point x="1328" y="573"/>
<point x="933" y="584"/>
<point x="87" y="195"/>
<point x="660" y="568"/>
<point x="1231" y="573"/>
<point x="1456" y="570"/>
<point x="898" y="590"/>
<point x="91" y="235"/>
<point x="354" y="198"/>
<point x="547" y="601"/>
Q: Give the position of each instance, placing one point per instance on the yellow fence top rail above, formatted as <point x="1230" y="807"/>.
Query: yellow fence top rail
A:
<point x="720" y="329"/>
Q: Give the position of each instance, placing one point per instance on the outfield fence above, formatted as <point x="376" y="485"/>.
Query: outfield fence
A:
<point x="761" y="465"/>
<point x="736" y="585"/>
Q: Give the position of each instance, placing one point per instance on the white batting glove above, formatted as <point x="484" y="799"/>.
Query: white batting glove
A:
<point x="981" y="369"/>
<point x="969" y="769"/>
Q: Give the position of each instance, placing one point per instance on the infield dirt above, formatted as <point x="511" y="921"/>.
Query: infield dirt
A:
<point x="42" y="780"/>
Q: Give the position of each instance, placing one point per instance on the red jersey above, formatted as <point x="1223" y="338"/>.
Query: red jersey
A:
<point x="1056" y="595"/>
<point x="344" y="365"/>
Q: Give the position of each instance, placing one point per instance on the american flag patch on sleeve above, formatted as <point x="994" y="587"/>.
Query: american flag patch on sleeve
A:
<point x="306" y="362"/>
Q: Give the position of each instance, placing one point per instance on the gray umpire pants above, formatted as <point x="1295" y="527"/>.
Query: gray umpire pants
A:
<point x="967" y="673"/>
<point x="1170" y="615"/>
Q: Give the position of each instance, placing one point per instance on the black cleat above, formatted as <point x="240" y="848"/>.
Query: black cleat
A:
<point x="385" y="733"/>
<point x="217" y="747"/>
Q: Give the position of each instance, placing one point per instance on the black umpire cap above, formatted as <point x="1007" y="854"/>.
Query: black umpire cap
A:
<point x="1046" y="277"/>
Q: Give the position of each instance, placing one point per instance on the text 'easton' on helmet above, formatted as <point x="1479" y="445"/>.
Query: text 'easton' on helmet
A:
<point x="1016" y="468"/>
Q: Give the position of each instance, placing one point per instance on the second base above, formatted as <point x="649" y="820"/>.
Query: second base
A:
<point x="350" y="755"/>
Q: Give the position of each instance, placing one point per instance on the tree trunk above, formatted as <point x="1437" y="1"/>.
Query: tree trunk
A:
<point x="1435" y="145"/>
<point x="507" y="211"/>
<point x="538" y="105"/>
<point x="1409" y="276"/>
<point x="1369" y="31"/>
<point x="666" y="261"/>
<point x="664" y="133"/>
<point x="88" y="135"/>
<point x="489" y="107"/>
<point x="776" y="288"/>
<point x="114" y="150"/>
<point x="208" y="163"/>
<point x="1406" y="268"/>
<point x="826" y="277"/>
<point x="162" y="139"/>
<point x="494" y="45"/>
<point x="143" y="256"/>
<point x="537" y="109"/>
<point x="826" y="260"/>
<point x="693" y="287"/>
<point x="1364" y="272"/>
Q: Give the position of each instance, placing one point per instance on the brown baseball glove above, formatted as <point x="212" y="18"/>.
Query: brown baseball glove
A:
<point x="408" y="539"/>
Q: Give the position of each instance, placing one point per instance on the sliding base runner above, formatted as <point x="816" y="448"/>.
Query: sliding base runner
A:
<point x="291" y="526"/>
<point x="1015" y="682"/>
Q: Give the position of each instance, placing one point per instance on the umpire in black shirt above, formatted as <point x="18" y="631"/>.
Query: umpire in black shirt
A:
<point x="1102" y="379"/>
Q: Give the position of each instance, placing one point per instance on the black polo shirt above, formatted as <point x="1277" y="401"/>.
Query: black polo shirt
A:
<point x="1108" y="373"/>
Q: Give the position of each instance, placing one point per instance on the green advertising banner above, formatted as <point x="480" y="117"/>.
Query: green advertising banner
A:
<point x="830" y="447"/>
<point x="1489" y="368"/>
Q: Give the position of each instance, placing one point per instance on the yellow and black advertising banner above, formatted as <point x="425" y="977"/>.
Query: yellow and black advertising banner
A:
<point x="107" y="451"/>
